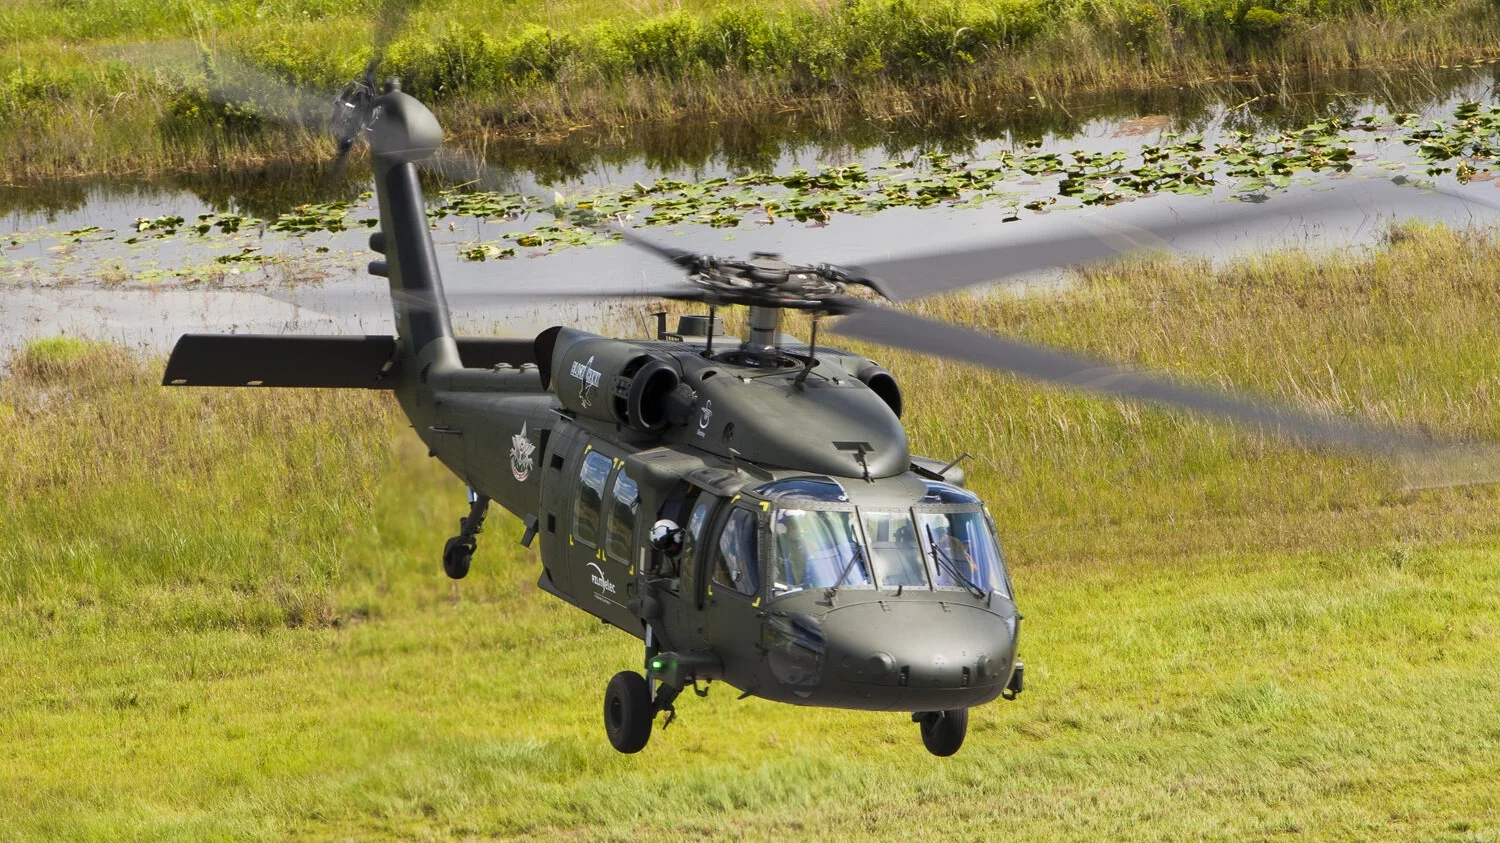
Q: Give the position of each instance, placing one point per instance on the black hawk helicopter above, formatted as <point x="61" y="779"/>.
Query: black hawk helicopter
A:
<point x="748" y="507"/>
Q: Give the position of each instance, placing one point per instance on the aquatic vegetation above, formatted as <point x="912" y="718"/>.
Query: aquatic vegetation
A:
<point x="164" y="225"/>
<point x="1027" y="179"/>
<point x="1472" y="136"/>
<point x="304" y="219"/>
<point x="226" y="223"/>
<point x="1238" y="161"/>
<point x="485" y="251"/>
<point x="248" y="254"/>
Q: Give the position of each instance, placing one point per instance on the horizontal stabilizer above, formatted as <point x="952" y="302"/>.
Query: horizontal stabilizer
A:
<point x="307" y="361"/>
<point x="274" y="360"/>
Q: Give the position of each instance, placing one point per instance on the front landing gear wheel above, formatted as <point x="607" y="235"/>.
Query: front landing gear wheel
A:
<point x="457" y="554"/>
<point x="943" y="731"/>
<point x="628" y="712"/>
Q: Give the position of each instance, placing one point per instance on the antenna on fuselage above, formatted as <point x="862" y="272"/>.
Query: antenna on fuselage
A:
<point x="812" y="354"/>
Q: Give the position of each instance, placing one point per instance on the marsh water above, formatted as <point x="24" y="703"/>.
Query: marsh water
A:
<point x="108" y="258"/>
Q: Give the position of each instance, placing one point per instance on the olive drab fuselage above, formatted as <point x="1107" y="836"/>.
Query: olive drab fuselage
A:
<point x="539" y="443"/>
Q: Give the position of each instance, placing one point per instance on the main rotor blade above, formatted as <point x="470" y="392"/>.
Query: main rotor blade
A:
<point x="681" y="257"/>
<point x="903" y="330"/>
<point x="1092" y="238"/>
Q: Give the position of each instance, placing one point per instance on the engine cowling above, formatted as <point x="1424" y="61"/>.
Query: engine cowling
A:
<point x="882" y="383"/>
<point x="612" y="380"/>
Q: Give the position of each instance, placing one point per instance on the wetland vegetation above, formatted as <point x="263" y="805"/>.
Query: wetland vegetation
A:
<point x="1463" y="144"/>
<point x="96" y="87"/>
<point x="222" y="612"/>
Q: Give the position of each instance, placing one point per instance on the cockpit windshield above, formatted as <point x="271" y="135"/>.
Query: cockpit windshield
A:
<point x="943" y="541"/>
<point x="963" y="549"/>
<point x="813" y="548"/>
<point x="894" y="552"/>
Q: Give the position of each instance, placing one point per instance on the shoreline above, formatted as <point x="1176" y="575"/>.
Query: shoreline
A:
<point x="152" y="129"/>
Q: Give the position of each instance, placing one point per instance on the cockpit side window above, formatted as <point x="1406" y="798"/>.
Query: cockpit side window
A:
<point x="809" y="488"/>
<point x="736" y="564"/>
<point x="692" y="544"/>
<point x="591" y="479"/>
<point x="693" y="534"/>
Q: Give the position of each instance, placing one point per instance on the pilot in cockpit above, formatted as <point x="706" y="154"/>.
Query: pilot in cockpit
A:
<point x="667" y="540"/>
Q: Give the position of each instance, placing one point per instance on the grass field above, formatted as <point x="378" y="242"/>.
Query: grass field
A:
<point x="222" y="613"/>
<point x="92" y="87"/>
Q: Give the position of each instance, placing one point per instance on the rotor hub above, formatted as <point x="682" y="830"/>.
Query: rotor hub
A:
<point x="765" y="280"/>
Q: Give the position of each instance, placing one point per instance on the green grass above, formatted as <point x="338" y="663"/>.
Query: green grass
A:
<point x="222" y="613"/>
<point x="114" y="86"/>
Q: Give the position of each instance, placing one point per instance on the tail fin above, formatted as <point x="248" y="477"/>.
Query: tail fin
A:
<point x="403" y="133"/>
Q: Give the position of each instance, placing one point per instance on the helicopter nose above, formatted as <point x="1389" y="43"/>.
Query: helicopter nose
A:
<point x="921" y="645"/>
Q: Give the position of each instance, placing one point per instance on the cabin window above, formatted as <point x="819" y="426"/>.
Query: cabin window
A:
<point x="736" y="566"/>
<point x="938" y="492"/>
<point x="624" y="503"/>
<point x="590" y="495"/>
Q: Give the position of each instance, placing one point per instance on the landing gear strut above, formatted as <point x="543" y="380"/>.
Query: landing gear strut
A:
<point x="459" y="551"/>
<point x="943" y="731"/>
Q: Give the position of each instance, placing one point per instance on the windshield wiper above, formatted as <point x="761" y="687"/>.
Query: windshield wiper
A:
<point x="952" y="566"/>
<point x="858" y="554"/>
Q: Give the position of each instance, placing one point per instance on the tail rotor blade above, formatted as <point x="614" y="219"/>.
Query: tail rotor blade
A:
<point x="230" y="80"/>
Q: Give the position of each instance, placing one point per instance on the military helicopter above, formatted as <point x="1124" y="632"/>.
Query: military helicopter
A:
<point x="747" y="507"/>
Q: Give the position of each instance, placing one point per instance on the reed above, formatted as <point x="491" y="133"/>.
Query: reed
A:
<point x="77" y="99"/>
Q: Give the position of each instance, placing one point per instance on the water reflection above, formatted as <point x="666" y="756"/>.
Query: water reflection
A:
<point x="1260" y="104"/>
<point x="699" y="148"/>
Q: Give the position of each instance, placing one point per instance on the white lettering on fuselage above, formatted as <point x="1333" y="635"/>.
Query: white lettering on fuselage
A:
<point x="705" y="417"/>
<point x="600" y="581"/>
<point x="588" y="376"/>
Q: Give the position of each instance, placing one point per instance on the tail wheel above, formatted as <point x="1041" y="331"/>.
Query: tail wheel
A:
<point x="628" y="712"/>
<point x="943" y="731"/>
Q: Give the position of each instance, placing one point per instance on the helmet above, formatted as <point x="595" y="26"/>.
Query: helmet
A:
<point x="666" y="536"/>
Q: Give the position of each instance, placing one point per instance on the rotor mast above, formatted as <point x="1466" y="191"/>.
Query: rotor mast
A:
<point x="765" y="325"/>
